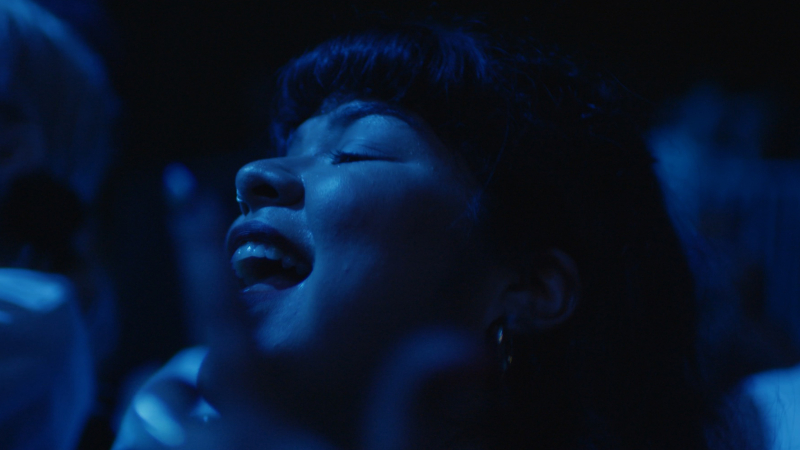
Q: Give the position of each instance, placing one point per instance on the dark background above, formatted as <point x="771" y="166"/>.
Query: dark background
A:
<point x="185" y="66"/>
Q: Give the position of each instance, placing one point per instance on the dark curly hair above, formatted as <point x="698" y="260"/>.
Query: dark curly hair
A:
<point x="562" y="164"/>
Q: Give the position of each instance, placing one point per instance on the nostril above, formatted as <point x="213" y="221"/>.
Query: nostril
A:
<point x="265" y="190"/>
<point x="242" y="204"/>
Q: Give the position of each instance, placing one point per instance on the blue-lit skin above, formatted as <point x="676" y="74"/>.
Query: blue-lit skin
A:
<point x="46" y="379"/>
<point x="381" y="207"/>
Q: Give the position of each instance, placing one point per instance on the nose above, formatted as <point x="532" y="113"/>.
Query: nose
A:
<point x="267" y="183"/>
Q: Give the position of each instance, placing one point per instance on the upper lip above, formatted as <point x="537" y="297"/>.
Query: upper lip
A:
<point x="259" y="232"/>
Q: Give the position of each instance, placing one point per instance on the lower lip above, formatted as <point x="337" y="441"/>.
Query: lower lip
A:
<point x="260" y="287"/>
<point x="276" y="282"/>
<point x="257" y="292"/>
<point x="259" y="296"/>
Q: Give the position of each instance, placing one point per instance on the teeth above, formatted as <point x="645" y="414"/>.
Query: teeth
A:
<point x="259" y="250"/>
<point x="273" y="253"/>
<point x="256" y="250"/>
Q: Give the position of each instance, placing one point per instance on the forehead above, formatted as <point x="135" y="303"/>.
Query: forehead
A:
<point x="343" y="113"/>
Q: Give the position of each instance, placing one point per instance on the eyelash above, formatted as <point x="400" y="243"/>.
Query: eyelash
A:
<point x="340" y="157"/>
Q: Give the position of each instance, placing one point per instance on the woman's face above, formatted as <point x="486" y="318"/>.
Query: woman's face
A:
<point x="359" y="235"/>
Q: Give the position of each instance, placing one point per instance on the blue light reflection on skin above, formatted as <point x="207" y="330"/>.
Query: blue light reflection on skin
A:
<point x="31" y="290"/>
<point x="158" y="421"/>
<point x="46" y="352"/>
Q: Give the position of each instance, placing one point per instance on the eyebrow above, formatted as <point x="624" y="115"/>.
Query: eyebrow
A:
<point x="351" y="112"/>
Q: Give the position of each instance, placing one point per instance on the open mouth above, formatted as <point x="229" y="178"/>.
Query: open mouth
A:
<point x="263" y="263"/>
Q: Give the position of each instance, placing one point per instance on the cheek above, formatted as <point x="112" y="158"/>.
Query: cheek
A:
<point x="384" y="208"/>
<point x="388" y="254"/>
<point x="389" y="238"/>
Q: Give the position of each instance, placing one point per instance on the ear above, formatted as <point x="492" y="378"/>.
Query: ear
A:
<point x="541" y="294"/>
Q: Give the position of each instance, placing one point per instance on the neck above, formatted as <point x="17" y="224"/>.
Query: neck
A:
<point x="313" y="407"/>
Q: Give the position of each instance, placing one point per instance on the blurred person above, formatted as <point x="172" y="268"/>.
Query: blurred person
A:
<point x="459" y="242"/>
<point x="56" y="304"/>
<point x="739" y="215"/>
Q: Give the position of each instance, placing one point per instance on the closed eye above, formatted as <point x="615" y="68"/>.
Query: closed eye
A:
<point x="340" y="157"/>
